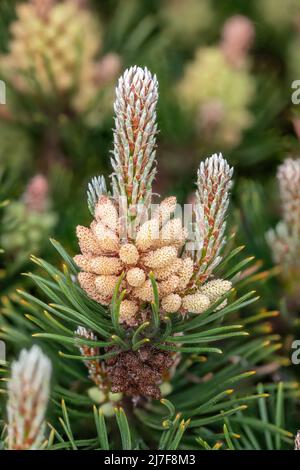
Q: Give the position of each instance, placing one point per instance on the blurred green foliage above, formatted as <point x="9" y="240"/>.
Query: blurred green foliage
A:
<point x="163" y="36"/>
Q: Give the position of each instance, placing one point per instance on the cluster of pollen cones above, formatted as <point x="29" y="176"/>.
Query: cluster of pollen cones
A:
<point x="155" y="250"/>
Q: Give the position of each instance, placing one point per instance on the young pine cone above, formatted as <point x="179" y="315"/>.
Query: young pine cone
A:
<point x="139" y="372"/>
